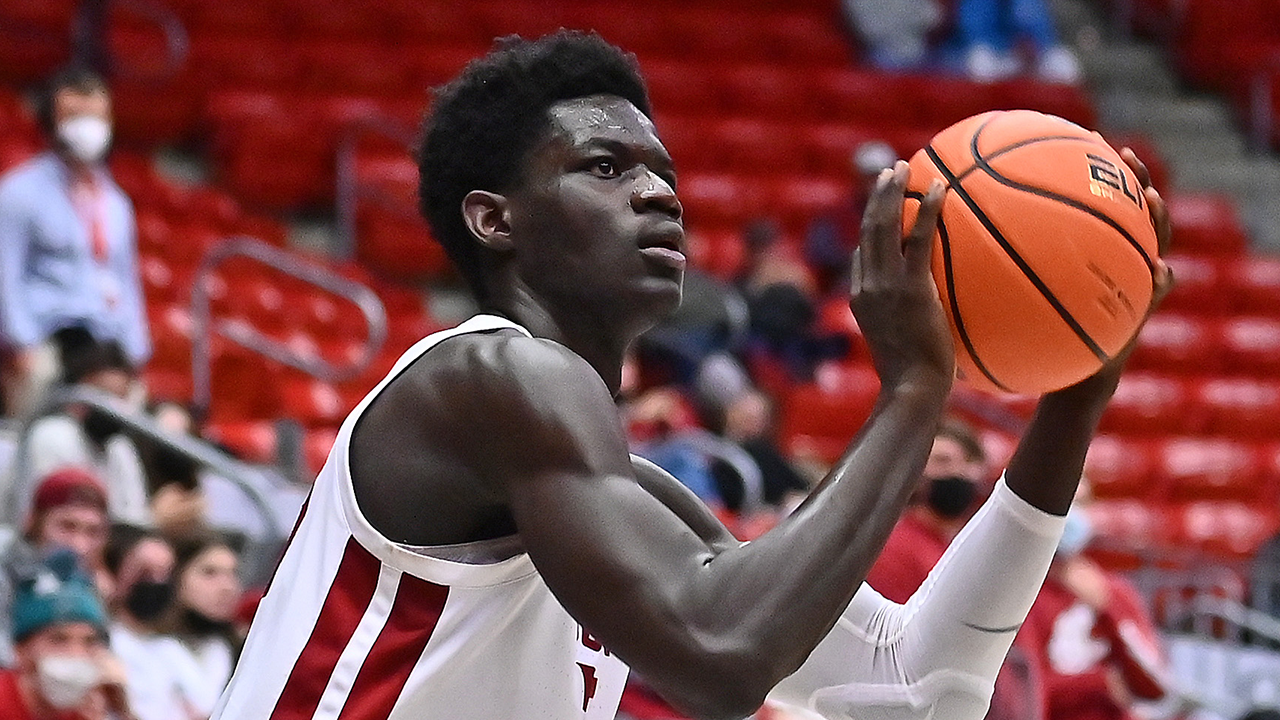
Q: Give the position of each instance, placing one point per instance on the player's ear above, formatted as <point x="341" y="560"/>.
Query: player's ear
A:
<point x="488" y="218"/>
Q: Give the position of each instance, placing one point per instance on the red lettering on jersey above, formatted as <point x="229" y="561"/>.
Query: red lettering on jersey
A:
<point x="591" y="643"/>
<point x="589" y="683"/>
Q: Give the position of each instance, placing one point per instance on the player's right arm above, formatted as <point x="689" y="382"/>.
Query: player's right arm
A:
<point x="711" y="626"/>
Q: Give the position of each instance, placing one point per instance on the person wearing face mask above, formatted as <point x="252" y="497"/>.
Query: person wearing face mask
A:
<point x="939" y="509"/>
<point x="1094" y="638"/>
<point x="202" y="617"/>
<point x="87" y="438"/>
<point x="161" y="676"/>
<point x="63" y="669"/>
<point x="68" y="243"/>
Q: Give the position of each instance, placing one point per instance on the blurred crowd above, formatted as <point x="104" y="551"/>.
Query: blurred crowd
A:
<point x="123" y="593"/>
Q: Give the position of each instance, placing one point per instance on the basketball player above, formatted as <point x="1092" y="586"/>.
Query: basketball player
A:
<point x="480" y="545"/>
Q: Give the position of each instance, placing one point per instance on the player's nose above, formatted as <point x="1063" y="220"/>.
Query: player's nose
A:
<point x="653" y="194"/>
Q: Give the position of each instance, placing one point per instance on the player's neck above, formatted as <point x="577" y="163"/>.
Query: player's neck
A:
<point x="600" y="344"/>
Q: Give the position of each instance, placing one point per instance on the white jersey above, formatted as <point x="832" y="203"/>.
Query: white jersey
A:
<point x="357" y="627"/>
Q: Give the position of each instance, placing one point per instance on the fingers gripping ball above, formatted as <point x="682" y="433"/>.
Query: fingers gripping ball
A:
<point x="1045" y="250"/>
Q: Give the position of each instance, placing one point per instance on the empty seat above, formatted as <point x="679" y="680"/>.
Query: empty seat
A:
<point x="1176" y="343"/>
<point x="1253" y="284"/>
<point x="312" y="402"/>
<point x="251" y="440"/>
<point x="819" y="419"/>
<point x="1131" y="524"/>
<point x="716" y="249"/>
<point x="1211" y="468"/>
<point x="1251" y="346"/>
<point x="1122" y="467"/>
<point x="1200" y="287"/>
<point x="755" y="147"/>
<point x="1149" y="404"/>
<point x="1206" y="223"/>
<point x="1234" y="529"/>
<point x="1241" y="407"/>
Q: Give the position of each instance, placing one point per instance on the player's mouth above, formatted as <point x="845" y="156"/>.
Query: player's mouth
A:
<point x="665" y="248"/>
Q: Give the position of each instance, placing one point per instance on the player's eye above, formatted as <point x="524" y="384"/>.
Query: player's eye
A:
<point x="604" y="167"/>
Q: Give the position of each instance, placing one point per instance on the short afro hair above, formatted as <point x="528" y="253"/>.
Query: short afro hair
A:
<point x="485" y="122"/>
<point x="77" y="78"/>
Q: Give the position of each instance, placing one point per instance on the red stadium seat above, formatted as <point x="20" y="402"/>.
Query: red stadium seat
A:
<point x="316" y="446"/>
<point x="765" y="91"/>
<point x="1122" y="467"/>
<point x="679" y="86"/>
<point x="863" y="97"/>
<point x="717" y="249"/>
<point x="1234" y="529"/>
<point x="312" y="402"/>
<point x="1173" y="343"/>
<point x="830" y="147"/>
<point x="721" y="198"/>
<point x="756" y="147"/>
<point x="1251" y="346"/>
<point x="820" y="418"/>
<point x="1241" y="407"/>
<point x="1210" y="468"/>
<point x="251" y="440"/>
<point x="1206" y="223"/>
<point x="797" y="199"/>
<point x="1131" y="524"/>
<point x="1253" y="283"/>
<point x="1200" y="287"/>
<point x="1149" y="404"/>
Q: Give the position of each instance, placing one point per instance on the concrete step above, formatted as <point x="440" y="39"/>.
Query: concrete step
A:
<point x="1127" y="68"/>
<point x="1158" y="113"/>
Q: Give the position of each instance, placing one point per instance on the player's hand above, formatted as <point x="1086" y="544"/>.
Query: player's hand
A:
<point x="892" y="293"/>
<point x="1103" y="383"/>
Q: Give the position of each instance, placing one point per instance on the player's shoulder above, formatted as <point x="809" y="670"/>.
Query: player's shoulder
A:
<point x="502" y="364"/>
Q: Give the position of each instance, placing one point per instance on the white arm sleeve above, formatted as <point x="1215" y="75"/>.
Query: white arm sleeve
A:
<point x="938" y="655"/>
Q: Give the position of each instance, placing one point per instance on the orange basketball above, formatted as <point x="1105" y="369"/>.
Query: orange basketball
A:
<point x="1045" y="250"/>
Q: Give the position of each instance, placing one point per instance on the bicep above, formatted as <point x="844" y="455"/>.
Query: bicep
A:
<point x="617" y="558"/>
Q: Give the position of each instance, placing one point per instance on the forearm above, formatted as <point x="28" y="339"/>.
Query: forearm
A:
<point x="785" y="590"/>
<point x="1045" y="468"/>
<point x="940" y="652"/>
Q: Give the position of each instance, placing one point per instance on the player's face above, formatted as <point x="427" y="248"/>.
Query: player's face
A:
<point x="596" y="225"/>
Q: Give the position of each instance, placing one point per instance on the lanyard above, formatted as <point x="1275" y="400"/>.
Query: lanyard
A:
<point x="86" y="196"/>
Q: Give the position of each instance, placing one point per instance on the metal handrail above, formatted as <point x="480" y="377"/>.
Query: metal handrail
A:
<point x="204" y="325"/>
<point x="346" y="191"/>
<point x="1244" y="617"/>
<point x="248" y="478"/>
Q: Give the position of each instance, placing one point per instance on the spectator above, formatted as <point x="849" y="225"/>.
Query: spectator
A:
<point x="895" y="33"/>
<point x="1262" y="714"/>
<point x="161" y="675"/>
<point x="952" y="476"/>
<point x="749" y="422"/>
<point x="63" y="669"/>
<point x="68" y="243"/>
<point x="202" y="618"/>
<point x="988" y="33"/>
<point x="69" y="511"/>
<point x="1095" y="640"/>
<point x="85" y="437"/>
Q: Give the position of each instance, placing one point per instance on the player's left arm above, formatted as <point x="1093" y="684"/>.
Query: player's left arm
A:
<point x="940" y="652"/>
<point x="1046" y="467"/>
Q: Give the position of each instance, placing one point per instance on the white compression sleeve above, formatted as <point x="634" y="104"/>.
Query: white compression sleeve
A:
<point x="936" y="656"/>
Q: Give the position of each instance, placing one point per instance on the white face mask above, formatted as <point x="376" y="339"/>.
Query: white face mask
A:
<point x="86" y="137"/>
<point x="66" y="680"/>
<point x="1076" y="534"/>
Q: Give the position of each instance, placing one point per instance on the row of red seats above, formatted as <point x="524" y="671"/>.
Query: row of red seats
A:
<point x="1231" y="530"/>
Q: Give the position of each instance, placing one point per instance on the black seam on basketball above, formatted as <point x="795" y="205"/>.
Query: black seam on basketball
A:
<point x="985" y="164"/>
<point x="1017" y="259"/>
<point x="1020" y="144"/>
<point x="957" y="318"/>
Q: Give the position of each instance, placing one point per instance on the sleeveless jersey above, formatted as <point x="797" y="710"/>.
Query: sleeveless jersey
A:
<point x="356" y="627"/>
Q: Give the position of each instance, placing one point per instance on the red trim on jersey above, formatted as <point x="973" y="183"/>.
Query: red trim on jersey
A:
<point x="302" y="512"/>
<point x="394" y="654"/>
<point x="344" y="605"/>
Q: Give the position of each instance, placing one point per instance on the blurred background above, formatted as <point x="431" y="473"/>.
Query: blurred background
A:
<point x="266" y="149"/>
